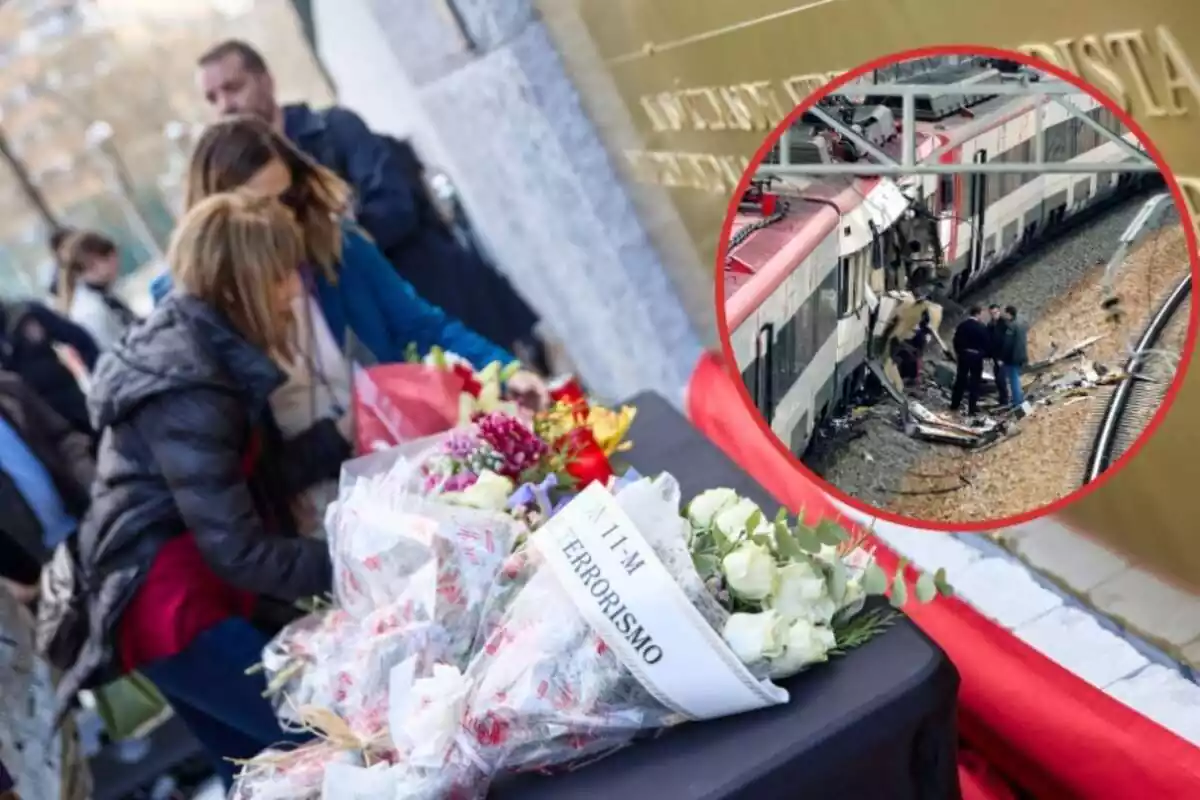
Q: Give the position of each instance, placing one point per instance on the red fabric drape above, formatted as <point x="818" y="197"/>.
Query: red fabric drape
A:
<point x="1024" y="720"/>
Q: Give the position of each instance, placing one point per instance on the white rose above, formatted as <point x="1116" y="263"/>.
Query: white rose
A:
<point x="754" y="637"/>
<point x="750" y="571"/>
<point x="490" y="492"/>
<point x="805" y="644"/>
<point x="801" y="593"/>
<point x="706" y="505"/>
<point x="732" y="520"/>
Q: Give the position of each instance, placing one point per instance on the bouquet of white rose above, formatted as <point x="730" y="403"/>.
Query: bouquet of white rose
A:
<point x="795" y="592"/>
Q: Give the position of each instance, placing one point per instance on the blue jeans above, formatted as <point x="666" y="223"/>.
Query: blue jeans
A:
<point x="1012" y="375"/>
<point x="221" y="705"/>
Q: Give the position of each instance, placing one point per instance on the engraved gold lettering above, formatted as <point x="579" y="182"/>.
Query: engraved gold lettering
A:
<point x="799" y="87"/>
<point x="703" y="171"/>
<point x="1093" y="59"/>
<point x="1190" y="188"/>
<point x="740" y="115"/>
<point x="764" y="104"/>
<point x="1066" y="55"/>
<point x="1179" y="76"/>
<point x="673" y="110"/>
<point x="718" y="121"/>
<point x="1043" y="52"/>
<point x="657" y="121"/>
<point x="1131" y="47"/>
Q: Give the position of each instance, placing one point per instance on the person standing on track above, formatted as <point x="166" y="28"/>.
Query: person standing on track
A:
<point x="1014" y="354"/>
<point x="996" y="327"/>
<point x="972" y="343"/>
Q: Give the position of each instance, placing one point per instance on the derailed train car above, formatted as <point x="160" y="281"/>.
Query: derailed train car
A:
<point x="809" y="260"/>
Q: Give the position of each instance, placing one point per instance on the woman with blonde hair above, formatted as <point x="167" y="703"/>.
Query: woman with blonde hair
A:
<point x="189" y="532"/>
<point x="353" y="294"/>
<point x="88" y="266"/>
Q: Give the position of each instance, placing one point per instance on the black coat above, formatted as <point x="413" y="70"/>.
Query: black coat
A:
<point x="28" y="333"/>
<point x="393" y="208"/>
<point x="66" y="455"/>
<point x="178" y="401"/>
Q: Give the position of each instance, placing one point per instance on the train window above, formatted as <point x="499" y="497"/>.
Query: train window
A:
<point x="1009" y="235"/>
<point x="827" y="310"/>
<point x="946" y="191"/>
<point x="843" y="287"/>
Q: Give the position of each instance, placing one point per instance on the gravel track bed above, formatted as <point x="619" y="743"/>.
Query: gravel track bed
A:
<point x="871" y="458"/>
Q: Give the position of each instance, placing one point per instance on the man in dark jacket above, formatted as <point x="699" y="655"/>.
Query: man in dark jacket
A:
<point x="971" y="345"/>
<point x="1014" y="354"/>
<point x="391" y="201"/>
<point x="996" y="326"/>
<point x="29" y="333"/>
<point x="46" y="471"/>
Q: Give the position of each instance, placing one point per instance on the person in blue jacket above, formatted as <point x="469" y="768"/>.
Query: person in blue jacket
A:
<point x="356" y="289"/>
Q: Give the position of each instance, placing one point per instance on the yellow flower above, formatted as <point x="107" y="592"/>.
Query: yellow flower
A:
<point x="610" y="427"/>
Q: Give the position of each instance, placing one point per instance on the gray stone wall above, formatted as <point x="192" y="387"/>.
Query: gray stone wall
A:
<point x="538" y="181"/>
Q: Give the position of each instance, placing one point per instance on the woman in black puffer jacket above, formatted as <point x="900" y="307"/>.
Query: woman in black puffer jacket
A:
<point x="189" y="532"/>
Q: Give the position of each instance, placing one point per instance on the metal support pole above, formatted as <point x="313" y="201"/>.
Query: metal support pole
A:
<point x="1050" y="88"/>
<point x="927" y="167"/>
<point x="1039" y="134"/>
<point x="908" y="133"/>
<point x="1154" y="208"/>
<point x="1134" y="152"/>
<point x="845" y="130"/>
<point x="785" y="147"/>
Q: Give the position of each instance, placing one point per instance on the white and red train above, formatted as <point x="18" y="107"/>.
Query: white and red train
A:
<point x="805" y="272"/>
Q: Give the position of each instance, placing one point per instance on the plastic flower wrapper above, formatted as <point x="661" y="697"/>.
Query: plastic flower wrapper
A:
<point x="348" y="675"/>
<point x="297" y="774"/>
<point x="545" y="689"/>
<point x="383" y="528"/>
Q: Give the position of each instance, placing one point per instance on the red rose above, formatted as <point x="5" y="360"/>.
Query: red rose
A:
<point x="586" y="461"/>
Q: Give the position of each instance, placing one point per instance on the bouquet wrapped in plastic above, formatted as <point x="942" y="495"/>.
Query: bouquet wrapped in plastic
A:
<point x="611" y="633"/>
<point x="411" y="577"/>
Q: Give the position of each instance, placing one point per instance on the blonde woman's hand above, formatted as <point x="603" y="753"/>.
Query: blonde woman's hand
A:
<point x="528" y="391"/>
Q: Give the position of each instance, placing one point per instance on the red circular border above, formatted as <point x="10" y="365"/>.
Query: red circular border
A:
<point x="723" y="327"/>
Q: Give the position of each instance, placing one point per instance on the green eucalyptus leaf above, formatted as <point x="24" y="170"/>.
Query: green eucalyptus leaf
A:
<point x="926" y="588"/>
<point x="830" y="533"/>
<point x="781" y="515"/>
<point x="786" y="543"/>
<point x="837" y="580"/>
<point x="875" y="580"/>
<point x="763" y="540"/>
<point x="806" y="539"/>
<point x="899" y="593"/>
<point x="720" y="539"/>
<point x="706" y="564"/>
<point x="943" y="586"/>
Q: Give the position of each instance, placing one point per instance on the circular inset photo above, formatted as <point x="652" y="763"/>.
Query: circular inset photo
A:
<point x="958" y="288"/>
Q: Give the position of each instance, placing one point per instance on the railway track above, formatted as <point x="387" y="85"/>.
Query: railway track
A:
<point x="1135" y="400"/>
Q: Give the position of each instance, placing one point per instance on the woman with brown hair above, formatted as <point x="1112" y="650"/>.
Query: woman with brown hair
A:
<point x="88" y="266"/>
<point x="189" y="531"/>
<point x="352" y="289"/>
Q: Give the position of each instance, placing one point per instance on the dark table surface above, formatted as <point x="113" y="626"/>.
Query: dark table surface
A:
<point x="877" y="723"/>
